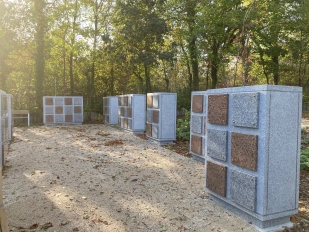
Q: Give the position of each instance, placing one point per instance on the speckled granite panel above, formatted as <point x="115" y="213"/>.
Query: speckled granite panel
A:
<point x="245" y="110"/>
<point x="59" y="110"/>
<point x="149" y="115"/>
<point x="130" y="101"/>
<point x="59" y="118"/>
<point x="49" y="110"/>
<point x="243" y="189"/>
<point x="125" y="123"/>
<point x="245" y="150"/>
<point x="78" y="101"/>
<point x="106" y="119"/>
<point x="68" y="101"/>
<point x="68" y="109"/>
<point x="217" y="144"/>
<point x="77" y="109"/>
<point x="149" y="101"/>
<point x="129" y="112"/>
<point x="155" y="101"/>
<point x="196" y="124"/>
<point x="155" y="131"/>
<point x="197" y="103"/>
<point x="78" y="118"/>
<point x="125" y="101"/>
<point x="218" y="109"/>
<point x="49" y="118"/>
<point x="216" y="178"/>
<point x="59" y="101"/>
<point x="196" y="144"/>
<point x="149" y="129"/>
<point x="68" y="118"/>
<point x="156" y="116"/>
<point x="49" y="101"/>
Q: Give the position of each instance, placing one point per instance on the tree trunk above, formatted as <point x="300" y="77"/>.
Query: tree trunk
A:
<point x="40" y="46"/>
<point x="147" y="78"/>
<point x="71" y="75"/>
<point x="214" y="65"/>
<point x="275" y="60"/>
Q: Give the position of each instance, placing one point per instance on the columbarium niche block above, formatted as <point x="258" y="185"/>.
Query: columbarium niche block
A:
<point x="198" y="125"/>
<point x="110" y="110"/>
<point x="161" y="117"/>
<point x="262" y="125"/>
<point x="62" y="110"/>
<point x="132" y="113"/>
<point x="4" y="127"/>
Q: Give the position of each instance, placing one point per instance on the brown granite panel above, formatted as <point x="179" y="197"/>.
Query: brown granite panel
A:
<point x="149" y="129"/>
<point x="155" y="116"/>
<point x="68" y="118"/>
<point x="126" y="100"/>
<point x="77" y="109"/>
<point x="218" y="109"/>
<point x="196" y="144"/>
<point x="119" y="101"/>
<point x="245" y="150"/>
<point x="59" y="110"/>
<point x="216" y="178"/>
<point x="49" y="118"/>
<point x="129" y="112"/>
<point x="149" y="101"/>
<point x="125" y="123"/>
<point x="49" y="101"/>
<point x="68" y="101"/>
<point x="122" y="111"/>
<point x="119" y="121"/>
<point x="197" y="103"/>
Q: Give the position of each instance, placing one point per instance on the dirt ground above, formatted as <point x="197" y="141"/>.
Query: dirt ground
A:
<point x="99" y="178"/>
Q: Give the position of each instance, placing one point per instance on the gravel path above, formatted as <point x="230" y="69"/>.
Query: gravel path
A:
<point x="99" y="178"/>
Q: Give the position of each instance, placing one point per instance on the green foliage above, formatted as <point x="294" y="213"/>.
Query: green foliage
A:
<point x="183" y="126"/>
<point x="304" y="159"/>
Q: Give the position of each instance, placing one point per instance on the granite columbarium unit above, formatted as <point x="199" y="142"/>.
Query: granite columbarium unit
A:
<point x="161" y="117"/>
<point x="252" y="152"/>
<point x="110" y="110"/>
<point x="132" y="113"/>
<point x="62" y="110"/>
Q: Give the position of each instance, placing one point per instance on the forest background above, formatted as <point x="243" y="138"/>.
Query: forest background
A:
<point x="97" y="48"/>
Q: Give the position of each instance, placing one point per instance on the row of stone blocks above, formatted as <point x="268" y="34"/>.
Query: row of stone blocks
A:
<point x="249" y="138"/>
<point x="62" y="110"/>
<point x="158" y="117"/>
<point x="6" y="124"/>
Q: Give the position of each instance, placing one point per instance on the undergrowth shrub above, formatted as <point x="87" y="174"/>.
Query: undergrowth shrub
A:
<point x="183" y="126"/>
<point x="304" y="159"/>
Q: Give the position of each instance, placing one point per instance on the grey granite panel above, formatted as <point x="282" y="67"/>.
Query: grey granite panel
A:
<point x="243" y="189"/>
<point x="154" y="131"/>
<point x="68" y="109"/>
<point x="217" y="144"/>
<point x="59" y="101"/>
<point x="78" y="118"/>
<point x="149" y="115"/>
<point x="196" y="124"/>
<point x="130" y="123"/>
<point x="245" y="109"/>
<point x="78" y="101"/>
<point x="155" y="101"/>
<point x="59" y="118"/>
<point x="49" y="110"/>
<point x="129" y="100"/>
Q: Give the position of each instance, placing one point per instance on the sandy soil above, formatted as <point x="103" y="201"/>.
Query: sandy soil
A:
<point x="99" y="178"/>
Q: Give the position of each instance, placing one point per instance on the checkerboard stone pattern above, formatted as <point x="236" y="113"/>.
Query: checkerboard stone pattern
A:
<point x="110" y="110"/>
<point x="132" y="113"/>
<point x="197" y="125"/>
<point x="252" y="150"/>
<point x="63" y="110"/>
<point x="161" y="117"/>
